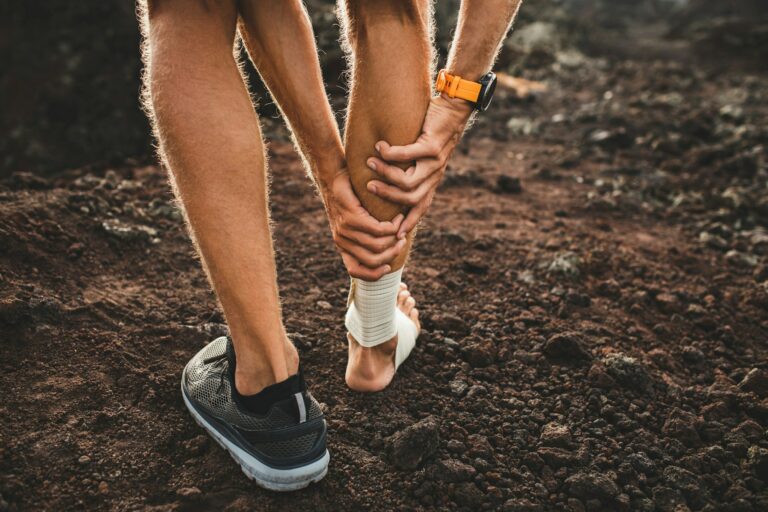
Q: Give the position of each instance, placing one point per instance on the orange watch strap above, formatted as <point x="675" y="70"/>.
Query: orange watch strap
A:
<point x="456" y="87"/>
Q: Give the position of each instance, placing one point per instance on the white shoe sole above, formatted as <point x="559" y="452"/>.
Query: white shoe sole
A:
<point x="265" y="476"/>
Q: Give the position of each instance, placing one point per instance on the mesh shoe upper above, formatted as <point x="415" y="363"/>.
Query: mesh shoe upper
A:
<point x="278" y="437"/>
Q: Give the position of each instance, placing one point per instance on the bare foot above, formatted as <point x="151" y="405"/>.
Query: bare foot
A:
<point x="372" y="368"/>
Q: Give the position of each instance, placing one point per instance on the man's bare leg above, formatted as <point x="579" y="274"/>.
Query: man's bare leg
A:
<point x="391" y="52"/>
<point x="211" y="142"/>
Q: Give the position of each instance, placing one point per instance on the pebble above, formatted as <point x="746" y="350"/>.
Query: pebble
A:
<point x="84" y="459"/>
<point x="521" y="505"/>
<point x="756" y="381"/>
<point x="187" y="492"/>
<point x="409" y="447"/>
<point x="449" y="323"/>
<point x="458" y="387"/>
<point x="453" y="471"/>
<point x="129" y="232"/>
<point x="590" y="484"/>
<point x="628" y="371"/>
<point x="508" y="184"/>
<point x="566" y="346"/>
<point x="682" y="426"/>
<point x="757" y="461"/>
<point x="480" y="354"/>
<point x="468" y="495"/>
<point x="556" y="434"/>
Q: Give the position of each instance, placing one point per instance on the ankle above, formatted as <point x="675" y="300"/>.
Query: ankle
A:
<point x="254" y="372"/>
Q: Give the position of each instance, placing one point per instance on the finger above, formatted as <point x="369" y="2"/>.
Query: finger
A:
<point x="412" y="219"/>
<point x="359" y="271"/>
<point x="422" y="148"/>
<point x="406" y="180"/>
<point x="396" y="195"/>
<point x="369" y="258"/>
<point x="372" y="243"/>
<point x="361" y="220"/>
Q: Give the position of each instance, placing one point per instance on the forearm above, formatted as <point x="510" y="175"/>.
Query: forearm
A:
<point x="480" y="30"/>
<point x="285" y="55"/>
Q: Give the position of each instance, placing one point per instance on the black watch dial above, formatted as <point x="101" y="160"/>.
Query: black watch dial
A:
<point x="488" y="83"/>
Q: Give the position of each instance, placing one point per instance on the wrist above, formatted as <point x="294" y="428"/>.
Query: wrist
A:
<point x="462" y="109"/>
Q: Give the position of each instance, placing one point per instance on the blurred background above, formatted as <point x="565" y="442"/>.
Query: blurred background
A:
<point x="70" y="70"/>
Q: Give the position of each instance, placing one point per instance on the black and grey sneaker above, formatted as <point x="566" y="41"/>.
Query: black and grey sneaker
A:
<point x="283" y="449"/>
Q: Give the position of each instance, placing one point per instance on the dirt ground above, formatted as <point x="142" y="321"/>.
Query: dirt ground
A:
<point x="594" y="291"/>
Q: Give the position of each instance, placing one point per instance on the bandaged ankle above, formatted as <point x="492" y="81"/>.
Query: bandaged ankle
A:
<point x="371" y="309"/>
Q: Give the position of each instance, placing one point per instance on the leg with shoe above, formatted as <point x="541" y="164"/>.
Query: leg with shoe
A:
<point x="247" y="390"/>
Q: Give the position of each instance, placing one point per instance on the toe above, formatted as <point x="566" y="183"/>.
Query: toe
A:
<point x="402" y="297"/>
<point x="410" y="303"/>
<point x="403" y="286"/>
<point x="414" y="316"/>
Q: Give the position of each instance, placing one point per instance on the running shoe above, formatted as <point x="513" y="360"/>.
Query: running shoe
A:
<point x="281" y="450"/>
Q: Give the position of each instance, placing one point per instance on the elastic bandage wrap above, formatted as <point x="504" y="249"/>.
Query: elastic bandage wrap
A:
<point x="371" y="309"/>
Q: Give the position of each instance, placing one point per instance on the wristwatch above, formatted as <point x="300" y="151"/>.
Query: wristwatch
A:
<point x="479" y="94"/>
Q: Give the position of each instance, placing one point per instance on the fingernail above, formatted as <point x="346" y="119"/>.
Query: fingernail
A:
<point x="401" y="235"/>
<point x="387" y="268"/>
<point x="378" y="146"/>
<point x="372" y="187"/>
<point x="372" y="164"/>
<point x="399" y="219"/>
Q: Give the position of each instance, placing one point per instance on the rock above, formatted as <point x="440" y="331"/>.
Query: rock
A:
<point x="197" y="445"/>
<point x="458" y="387"/>
<point x="463" y="178"/>
<point x="641" y="463"/>
<point x="599" y="377"/>
<point x="669" y="500"/>
<point x="756" y="381"/>
<point x="480" y="353"/>
<point x="84" y="459"/>
<point x="556" y="457"/>
<point x="480" y="447"/>
<point x="521" y="505"/>
<point x="452" y="471"/>
<point x="682" y="425"/>
<point x="668" y="302"/>
<point x="103" y="487"/>
<point x="684" y="481"/>
<point x="757" y="462"/>
<point x="448" y="323"/>
<point x="522" y="126"/>
<point x="555" y="434"/>
<point x="590" y="484"/>
<point x="477" y="391"/>
<point x="468" y="495"/>
<point x="475" y="266"/>
<point x="628" y="371"/>
<point x="129" y="232"/>
<point x="739" y="259"/>
<point x="188" y="492"/>
<point x="508" y="184"/>
<point x="566" y="347"/>
<point x="565" y="263"/>
<point x="409" y="447"/>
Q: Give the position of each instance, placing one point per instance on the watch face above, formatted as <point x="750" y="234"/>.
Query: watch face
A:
<point x="489" y="87"/>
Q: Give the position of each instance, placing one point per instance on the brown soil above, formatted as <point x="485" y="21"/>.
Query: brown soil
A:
<point x="595" y="333"/>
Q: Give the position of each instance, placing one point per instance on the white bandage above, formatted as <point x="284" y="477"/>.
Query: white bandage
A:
<point x="371" y="309"/>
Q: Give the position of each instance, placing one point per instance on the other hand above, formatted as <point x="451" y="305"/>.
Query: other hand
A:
<point x="415" y="187"/>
